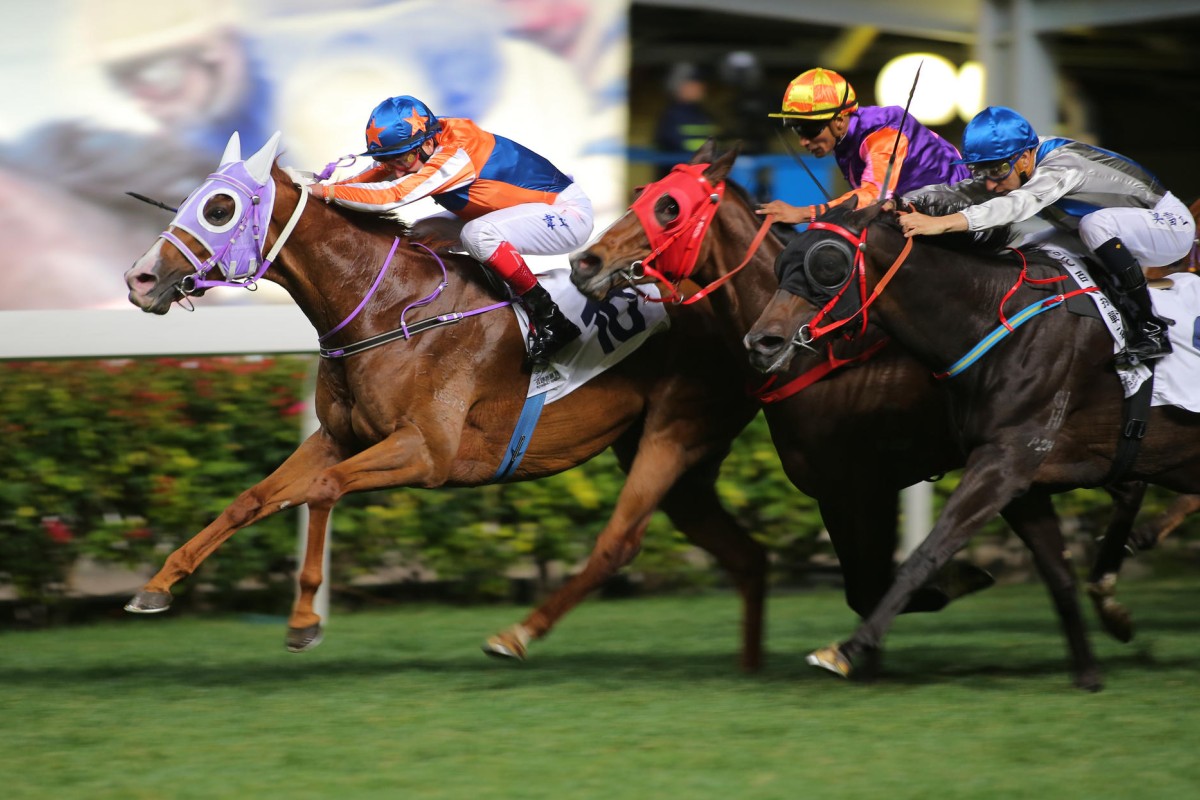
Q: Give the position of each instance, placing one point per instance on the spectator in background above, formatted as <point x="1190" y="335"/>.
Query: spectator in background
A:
<point x="685" y="123"/>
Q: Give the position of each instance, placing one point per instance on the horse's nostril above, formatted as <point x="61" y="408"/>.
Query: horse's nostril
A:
<point x="144" y="278"/>
<point x="586" y="263"/>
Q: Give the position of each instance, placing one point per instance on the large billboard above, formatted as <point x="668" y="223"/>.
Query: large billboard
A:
<point x="104" y="97"/>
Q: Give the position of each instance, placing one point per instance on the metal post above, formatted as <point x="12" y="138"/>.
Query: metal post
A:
<point x="916" y="512"/>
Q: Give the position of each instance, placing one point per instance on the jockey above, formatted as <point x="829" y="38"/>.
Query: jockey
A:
<point x="820" y="107"/>
<point x="512" y="199"/>
<point x="1123" y="214"/>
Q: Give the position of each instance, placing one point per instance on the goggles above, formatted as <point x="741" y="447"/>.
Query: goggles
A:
<point x="807" y="128"/>
<point x="994" y="170"/>
<point x="404" y="160"/>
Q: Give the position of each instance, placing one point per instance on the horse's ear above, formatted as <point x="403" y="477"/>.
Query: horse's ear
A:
<point x="720" y="168"/>
<point x="259" y="164"/>
<point x="233" y="150"/>
<point x="704" y="154"/>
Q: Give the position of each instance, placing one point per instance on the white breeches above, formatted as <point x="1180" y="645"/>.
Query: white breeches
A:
<point x="1155" y="236"/>
<point x="534" y="229"/>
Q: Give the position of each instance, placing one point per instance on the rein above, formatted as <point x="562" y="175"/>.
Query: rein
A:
<point x="405" y="331"/>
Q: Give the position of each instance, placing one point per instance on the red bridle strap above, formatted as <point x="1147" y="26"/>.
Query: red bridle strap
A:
<point x="768" y="395"/>
<point x="860" y="245"/>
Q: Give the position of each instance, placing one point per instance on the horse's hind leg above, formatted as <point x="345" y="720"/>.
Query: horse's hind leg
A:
<point x="1033" y="519"/>
<point x="697" y="511"/>
<point x="1102" y="580"/>
<point x="283" y="488"/>
<point x="1148" y="536"/>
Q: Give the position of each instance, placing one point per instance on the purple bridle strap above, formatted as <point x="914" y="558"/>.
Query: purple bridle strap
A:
<point x="370" y="292"/>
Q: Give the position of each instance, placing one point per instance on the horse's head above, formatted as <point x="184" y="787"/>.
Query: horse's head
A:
<point x="822" y="287"/>
<point x="662" y="234"/>
<point x="222" y="224"/>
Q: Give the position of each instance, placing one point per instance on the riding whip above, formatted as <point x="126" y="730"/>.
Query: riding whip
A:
<point x="800" y="160"/>
<point x="887" y="175"/>
<point x="152" y="202"/>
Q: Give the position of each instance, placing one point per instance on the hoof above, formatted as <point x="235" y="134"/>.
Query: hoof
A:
<point x="511" y="644"/>
<point x="1089" y="680"/>
<point x="831" y="658"/>
<point x="301" y="639"/>
<point x="149" y="602"/>
<point x="1115" y="618"/>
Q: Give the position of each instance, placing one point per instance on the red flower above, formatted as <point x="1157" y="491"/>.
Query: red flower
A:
<point x="57" y="530"/>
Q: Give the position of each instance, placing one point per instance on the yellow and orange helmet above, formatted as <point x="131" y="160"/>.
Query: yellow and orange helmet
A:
<point x="817" y="94"/>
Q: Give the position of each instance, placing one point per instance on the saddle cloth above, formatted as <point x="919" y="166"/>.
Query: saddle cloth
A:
<point x="1176" y="376"/>
<point x="612" y="329"/>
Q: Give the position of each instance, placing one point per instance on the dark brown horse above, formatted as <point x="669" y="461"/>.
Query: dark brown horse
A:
<point x="1038" y="414"/>
<point x="851" y="440"/>
<point x="438" y="409"/>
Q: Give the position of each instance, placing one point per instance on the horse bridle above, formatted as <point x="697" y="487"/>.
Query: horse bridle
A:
<point x="236" y="247"/>
<point x="813" y="330"/>
<point x="680" y="249"/>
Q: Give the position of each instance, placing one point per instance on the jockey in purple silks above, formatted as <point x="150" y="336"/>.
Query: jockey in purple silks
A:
<point x="820" y="107"/>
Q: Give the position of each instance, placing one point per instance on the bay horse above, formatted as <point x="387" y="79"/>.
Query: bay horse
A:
<point x="850" y="440"/>
<point x="1040" y="414"/>
<point x="438" y="409"/>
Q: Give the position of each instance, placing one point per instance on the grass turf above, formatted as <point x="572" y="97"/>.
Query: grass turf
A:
<point x="635" y="698"/>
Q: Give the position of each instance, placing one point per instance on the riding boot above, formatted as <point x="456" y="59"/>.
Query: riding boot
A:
<point x="551" y="330"/>
<point x="1145" y="333"/>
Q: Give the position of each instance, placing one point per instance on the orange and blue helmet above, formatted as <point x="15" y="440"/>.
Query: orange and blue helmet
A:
<point x="817" y="94"/>
<point x="398" y="125"/>
<point x="996" y="134"/>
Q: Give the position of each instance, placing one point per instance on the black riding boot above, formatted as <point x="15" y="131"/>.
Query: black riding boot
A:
<point x="551" y="330"/>
<point x="1145" y="334"/>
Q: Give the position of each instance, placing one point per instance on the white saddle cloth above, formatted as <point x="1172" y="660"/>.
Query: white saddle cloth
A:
<point x="612" y="329"/>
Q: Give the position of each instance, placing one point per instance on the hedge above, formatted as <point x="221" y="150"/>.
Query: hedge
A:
<point x="122" y="461"/>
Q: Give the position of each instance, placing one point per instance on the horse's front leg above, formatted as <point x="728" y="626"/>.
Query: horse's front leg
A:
<point x="1032" y="517"/>
<point x="989" y="481"/>
<point x="1102" y="580"/>
<point x="402" y="459"/>
<point x="283" y="488"/>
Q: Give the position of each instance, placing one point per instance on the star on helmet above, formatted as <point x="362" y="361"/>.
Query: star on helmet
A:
<point x="416" y="121"/>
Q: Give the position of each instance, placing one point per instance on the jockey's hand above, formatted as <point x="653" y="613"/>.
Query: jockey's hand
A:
<point x="790" y="214"/>
<point x="320" y="191"/>
<point x="914" y="223"/>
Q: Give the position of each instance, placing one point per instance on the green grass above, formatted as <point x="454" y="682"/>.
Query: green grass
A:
<point x="627" y="699"/>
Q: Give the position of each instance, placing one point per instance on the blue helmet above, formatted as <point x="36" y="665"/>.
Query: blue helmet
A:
<point x="399" y="124"/>
<point x="995" y="134"/>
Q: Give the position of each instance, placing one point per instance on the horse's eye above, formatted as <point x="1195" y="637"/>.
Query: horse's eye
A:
<point x="666" y="209"/>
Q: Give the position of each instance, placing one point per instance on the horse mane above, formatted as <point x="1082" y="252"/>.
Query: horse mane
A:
<point x="781" y="230"/>
<point x="990" y="245"/>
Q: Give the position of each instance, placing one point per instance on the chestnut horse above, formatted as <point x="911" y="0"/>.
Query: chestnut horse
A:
<point x="439" y="409"/>
<point x="851" y="440"/>
<point x="1040" y="414"/>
